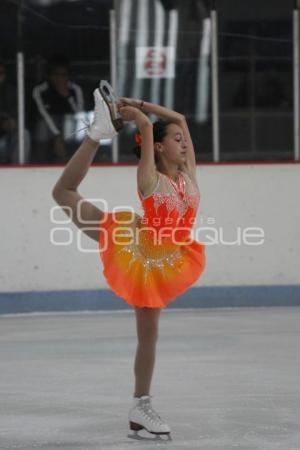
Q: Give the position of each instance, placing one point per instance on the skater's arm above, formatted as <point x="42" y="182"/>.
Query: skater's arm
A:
<point x="190" y="164"/>
<point x="171" y="116"/>
<point x="146" y="171"/>
<point x="65" y="190"/>
<point x="158" y="110"/>
<point x="179" y="119"/>
<point x="161" y="111"/>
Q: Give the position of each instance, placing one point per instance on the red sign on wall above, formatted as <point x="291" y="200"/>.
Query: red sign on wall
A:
<point x="155" y="62"/>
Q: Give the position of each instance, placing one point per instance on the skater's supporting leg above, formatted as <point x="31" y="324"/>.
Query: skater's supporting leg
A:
<point x="147" y="332"/>
<point x="65" y="190"/>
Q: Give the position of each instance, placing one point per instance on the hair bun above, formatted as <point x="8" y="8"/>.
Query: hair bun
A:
<point x="138" y="138"/>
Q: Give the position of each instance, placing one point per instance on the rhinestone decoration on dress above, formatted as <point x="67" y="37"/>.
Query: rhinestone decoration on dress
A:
<point x="149" y="263"/>
<point x="173" y="201"/>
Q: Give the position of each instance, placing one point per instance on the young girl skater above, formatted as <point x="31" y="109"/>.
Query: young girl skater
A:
<point x="147" y="260"/>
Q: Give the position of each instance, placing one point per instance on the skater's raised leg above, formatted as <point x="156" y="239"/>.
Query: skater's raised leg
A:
<point x="65" y="190"/>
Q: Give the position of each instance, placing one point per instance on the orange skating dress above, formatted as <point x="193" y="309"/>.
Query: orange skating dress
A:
<point x="149" y="260"/>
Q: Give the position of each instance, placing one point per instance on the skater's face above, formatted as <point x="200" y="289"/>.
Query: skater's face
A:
<point x="173" y="146"/>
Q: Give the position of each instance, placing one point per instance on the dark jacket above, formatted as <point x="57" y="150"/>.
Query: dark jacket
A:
<point x="52" y="106"/>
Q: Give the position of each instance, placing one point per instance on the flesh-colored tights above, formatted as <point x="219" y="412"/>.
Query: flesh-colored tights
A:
<point x="147" y="333"/>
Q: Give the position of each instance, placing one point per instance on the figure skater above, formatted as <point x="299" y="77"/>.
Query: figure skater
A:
<point x="159" y="260"/>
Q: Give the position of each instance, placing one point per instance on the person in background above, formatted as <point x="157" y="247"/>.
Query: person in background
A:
<point x="8" y="121"/>
<point x="57" y="100"/>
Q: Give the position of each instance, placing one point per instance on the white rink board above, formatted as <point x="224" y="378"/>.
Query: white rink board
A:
<point x="233" y="196"/>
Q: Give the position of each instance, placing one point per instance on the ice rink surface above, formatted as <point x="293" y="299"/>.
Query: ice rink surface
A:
<point x="223" y="379"/>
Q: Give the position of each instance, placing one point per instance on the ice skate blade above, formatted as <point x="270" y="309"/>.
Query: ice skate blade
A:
<point x="155" y="438"/>
<point x="137" y="427"/>
<point x="110" y="99"/>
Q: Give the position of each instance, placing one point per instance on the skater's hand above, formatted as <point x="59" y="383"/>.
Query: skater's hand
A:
<point x="129" y="113"/>
<point x="134" y="102"/>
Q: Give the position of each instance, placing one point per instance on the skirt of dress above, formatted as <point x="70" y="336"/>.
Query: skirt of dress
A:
<point x="143" y="274"/>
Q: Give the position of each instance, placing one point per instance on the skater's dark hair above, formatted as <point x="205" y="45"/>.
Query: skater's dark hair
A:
<point x="159" y="132"/>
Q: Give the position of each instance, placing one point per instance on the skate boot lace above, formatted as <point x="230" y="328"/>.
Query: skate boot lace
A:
<point x="87" y="125"/>
<point x="148" y="411"/>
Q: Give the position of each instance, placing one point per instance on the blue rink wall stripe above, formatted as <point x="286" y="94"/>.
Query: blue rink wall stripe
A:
<point x="105" y="299"/>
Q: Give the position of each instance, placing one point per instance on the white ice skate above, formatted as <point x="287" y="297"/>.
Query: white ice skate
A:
<point x="143" y="416"/>
<point x="111" y="100"/>
<point x="105" y="124"/>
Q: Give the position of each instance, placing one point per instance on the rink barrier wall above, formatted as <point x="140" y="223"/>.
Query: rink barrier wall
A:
<point x="106" y="300"/>
<point x="264" y="194"/>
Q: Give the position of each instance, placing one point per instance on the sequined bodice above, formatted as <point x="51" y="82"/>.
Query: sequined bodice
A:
<point x="165" y="227"/>
<point x="164" y="208"/>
